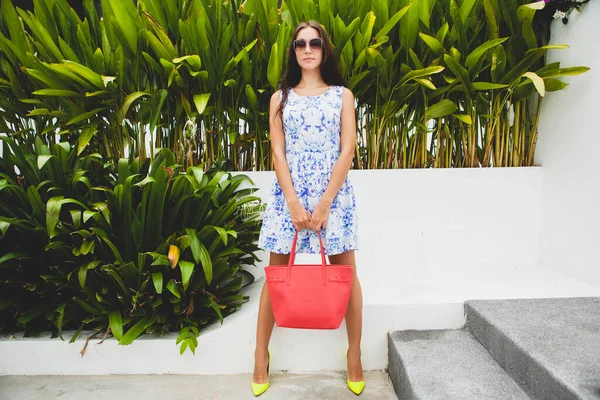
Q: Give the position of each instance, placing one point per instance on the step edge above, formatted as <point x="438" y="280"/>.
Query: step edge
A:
<point x="566" y="389"/>
<point x="393" y="352"/>
<point x="402" y="386"/>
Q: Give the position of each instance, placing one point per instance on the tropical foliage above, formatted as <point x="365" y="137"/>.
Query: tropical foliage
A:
<point x="126" y="248"/>
<point x="439" y="83"/>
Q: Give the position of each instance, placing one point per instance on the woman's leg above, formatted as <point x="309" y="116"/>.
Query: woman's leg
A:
<point x="353" y="318"/>
<point x="264" y="327"/>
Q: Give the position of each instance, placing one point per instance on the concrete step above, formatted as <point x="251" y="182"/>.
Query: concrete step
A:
<point x="446" y="364"/>
<point x="551" y="347"/>
<point x="197" y="387"/>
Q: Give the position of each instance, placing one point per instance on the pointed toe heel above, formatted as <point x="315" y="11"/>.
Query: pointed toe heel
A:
<point x="260" y="388"/>
<point x="355" y="387"/>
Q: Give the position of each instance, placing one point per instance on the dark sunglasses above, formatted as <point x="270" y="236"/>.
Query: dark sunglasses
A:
<point x="315" y="44"/>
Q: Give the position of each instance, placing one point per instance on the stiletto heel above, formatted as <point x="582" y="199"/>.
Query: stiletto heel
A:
<point x="355" y="387"/>
<point x="260" y="388"/>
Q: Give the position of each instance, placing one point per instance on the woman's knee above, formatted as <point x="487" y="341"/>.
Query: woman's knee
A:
<point x="345" y="258"/>
<point x="278" y="259"/>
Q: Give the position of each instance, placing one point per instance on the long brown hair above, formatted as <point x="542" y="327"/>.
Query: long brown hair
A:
<point x="330" y="70"/>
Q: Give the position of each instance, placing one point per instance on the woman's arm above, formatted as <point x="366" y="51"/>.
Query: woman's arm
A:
<point x="300" y="217"/>
<point x="342" y="165"/>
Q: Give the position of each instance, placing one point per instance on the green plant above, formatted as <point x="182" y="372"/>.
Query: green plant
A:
<point x="133" y="247"/>
<point x="437" y="82"/>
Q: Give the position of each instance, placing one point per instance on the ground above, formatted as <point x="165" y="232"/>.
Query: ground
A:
<point x="288" y="386"/>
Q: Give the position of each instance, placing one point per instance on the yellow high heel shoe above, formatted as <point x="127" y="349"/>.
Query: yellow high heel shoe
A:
<point x="355" y="387"/>
<point x="260" y="388"/>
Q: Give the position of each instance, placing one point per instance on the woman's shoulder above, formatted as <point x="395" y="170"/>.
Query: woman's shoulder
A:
<point x="343" y="89"/>
<point x="345" y="93"/>
<point x="276" y="96"/>
<point x="279" y="92"/>
<point x="276" y="99"/>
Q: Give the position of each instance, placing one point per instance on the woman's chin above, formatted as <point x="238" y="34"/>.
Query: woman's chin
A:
<point x="309" y="65"/>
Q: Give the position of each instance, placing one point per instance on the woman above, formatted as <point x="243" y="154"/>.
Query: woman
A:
<point x="313" y="131"/>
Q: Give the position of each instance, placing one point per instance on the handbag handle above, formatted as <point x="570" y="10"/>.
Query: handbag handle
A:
<point x="293" y="258"/>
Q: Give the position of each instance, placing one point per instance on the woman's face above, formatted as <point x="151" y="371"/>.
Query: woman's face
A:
<point x="309" y="48"/>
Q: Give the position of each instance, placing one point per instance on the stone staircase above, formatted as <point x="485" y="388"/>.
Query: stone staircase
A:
<point x="509" y="349"/>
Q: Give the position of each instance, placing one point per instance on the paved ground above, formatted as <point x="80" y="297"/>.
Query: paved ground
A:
<point x="284" y="386"/>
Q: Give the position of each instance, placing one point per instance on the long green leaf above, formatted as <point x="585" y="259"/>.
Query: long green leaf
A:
<point x="52" y="214"/>
<point x="128" y="102"/>
<point x="433" y="43"/>
<point x="86" y="115"/>
<point x="215" y="307"/>
<point x="61" y="316"/>
<point x="202" y="256"/>
<point x="274" y="67"/>
<point x="498" y="63"/>
<point x="459" y="71"/>
<point x="491" y="19"/>
<point x="125" y="13"/>
<point x="13" y="23"/>
<point x="440" y="109"/>
<point x="57" y="93"/>
<point x="392" y="22"/>
<point x="476" y="54"/>
<point x="104" y="237"/>
<point x="488" y="86"/>
<point x="10" y="256"/>
<point x="556" y="72"/>
<point x="116" y="324"/>
<point x="172" y="287"/>
<point x="553" y="85"/>
<point x="136" y="330"/>
<point x="82" y="275"/>
<point x="187" y="268"/>
<point x="86" y="135"/>
<point x="531" y="56"/>
<point x="156" y="111"/>
<point x="86" y="73"/>
<point x="157" y="280"/>
<point x="466" y="8"/>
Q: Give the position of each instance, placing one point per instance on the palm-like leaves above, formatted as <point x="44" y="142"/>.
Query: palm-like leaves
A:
<point x="128" y="82"/>
<point x="90" y="251"/>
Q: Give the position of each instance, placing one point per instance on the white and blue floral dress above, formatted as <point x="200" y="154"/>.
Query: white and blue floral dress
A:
<point x="312" y="128"/>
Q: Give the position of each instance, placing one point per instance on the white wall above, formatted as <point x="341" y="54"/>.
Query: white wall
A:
<point x="429" y="240"/>
<point x="569" y="141"/>
<point x="439" y="235"/>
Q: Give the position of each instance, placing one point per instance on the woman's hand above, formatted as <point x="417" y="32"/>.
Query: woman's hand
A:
<point x="318" y="219"/>
<point x="300" y="217"/>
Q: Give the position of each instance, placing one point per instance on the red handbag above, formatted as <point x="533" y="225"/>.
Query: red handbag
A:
<point x="309" y="296"/>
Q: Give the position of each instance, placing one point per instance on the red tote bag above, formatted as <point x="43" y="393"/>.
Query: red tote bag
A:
<point x="309" y="296"/>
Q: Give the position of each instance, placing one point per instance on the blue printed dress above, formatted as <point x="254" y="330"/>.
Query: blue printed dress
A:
<point x="312" y="131"/>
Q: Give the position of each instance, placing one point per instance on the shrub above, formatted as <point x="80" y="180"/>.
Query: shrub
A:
<point x="131" y="248"/>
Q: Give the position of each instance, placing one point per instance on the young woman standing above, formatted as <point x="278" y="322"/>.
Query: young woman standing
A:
<point x="313" y="133"/>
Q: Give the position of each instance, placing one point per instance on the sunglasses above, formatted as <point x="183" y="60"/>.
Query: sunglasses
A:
<point x="315" y="44"/>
